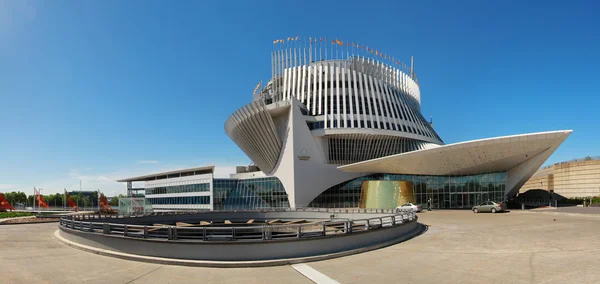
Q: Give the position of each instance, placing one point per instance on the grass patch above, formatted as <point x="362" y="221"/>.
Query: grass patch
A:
<point x="15" y="214"/>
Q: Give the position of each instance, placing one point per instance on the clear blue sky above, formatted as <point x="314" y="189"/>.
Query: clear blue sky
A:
<point x="97" y="90"/>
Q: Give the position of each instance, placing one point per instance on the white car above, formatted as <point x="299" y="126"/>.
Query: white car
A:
<point x="416" y="208"/>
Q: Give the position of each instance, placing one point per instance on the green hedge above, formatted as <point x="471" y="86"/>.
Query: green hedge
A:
<point x="15" y="214"/>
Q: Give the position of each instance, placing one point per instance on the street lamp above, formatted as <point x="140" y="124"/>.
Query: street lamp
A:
<point x="40" y="191"/>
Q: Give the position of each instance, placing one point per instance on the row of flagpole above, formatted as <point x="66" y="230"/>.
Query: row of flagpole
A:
<point x="68" y="201"/>
<point x="295" y="51"/>
<point x="324" y="48"/>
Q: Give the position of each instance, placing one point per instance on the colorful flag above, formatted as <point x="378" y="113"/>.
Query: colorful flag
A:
<point x="275" y="41"/>
<point x="256" y="88"/>
<point x="332" y="41"/>
<point x="70" y="202"/>
<point x="4" y="205"/>
<point x="40" y="200"/>
<point x="104" y="203"/>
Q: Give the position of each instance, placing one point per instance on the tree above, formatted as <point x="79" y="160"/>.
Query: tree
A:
<point x="114" y="201"/>
<point x="10" y="197"/>
<point x="94" y="198"/>
<point x="21" y="197"/>
<point x="79" y="199"/>
<point x="86" y="201"/>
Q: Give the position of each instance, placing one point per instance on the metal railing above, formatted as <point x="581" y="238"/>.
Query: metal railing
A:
<point x="236" y="232"/>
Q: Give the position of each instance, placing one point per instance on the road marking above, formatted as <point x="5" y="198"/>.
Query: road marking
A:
<point x="313" y="274"/>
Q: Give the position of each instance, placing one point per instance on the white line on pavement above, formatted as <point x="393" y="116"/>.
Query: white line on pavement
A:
<point x="313" y="274"/>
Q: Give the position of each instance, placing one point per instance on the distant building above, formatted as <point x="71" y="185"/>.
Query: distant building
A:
<point x="571" y="179"/>
<point x="198" y="189"/>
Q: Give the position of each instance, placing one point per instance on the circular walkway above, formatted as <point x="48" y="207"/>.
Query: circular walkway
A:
<point x="458" y="247"/>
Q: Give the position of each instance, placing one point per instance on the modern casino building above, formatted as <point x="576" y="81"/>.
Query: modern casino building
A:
<point x="336" y="119"/>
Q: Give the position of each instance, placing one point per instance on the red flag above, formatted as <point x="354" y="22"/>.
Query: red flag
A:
<point x="40" y="200"/>
<point x="70" y="201"/>
<point x="104" y="203"/>
<point x="4" y="205"/>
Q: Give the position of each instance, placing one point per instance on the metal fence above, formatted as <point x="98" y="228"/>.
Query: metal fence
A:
<point x="235" y="232"/>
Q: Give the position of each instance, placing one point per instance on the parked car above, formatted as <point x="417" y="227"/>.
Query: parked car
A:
<point x="416" y="208"/>
<point x="489" y="206"/>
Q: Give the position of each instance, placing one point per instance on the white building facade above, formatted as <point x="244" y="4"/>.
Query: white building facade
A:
<point x="185" y="189"/>
<point x="335" y="114"/>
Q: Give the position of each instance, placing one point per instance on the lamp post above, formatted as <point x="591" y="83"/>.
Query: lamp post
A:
<point x="40" y="191"/>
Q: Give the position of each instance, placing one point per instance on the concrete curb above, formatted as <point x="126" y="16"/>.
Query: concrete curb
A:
<point x="2" y="221"/>
<point x="45" y="222"/>
<point x="231" y="264"/>
<point x="14" y="218"/>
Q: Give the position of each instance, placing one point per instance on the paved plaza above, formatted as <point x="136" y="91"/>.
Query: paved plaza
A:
<point x="458" y="247"/>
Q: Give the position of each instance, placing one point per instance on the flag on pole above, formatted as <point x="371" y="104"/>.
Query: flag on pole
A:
<point x="104" y="203"/>
<point x="256" y="88"/>
<point x="40" y="200"/>
<point x="70" y="201"/>
<point x="4" y="205"/>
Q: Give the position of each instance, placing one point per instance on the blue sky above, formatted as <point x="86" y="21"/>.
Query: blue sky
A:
<point x="99" y="90"/>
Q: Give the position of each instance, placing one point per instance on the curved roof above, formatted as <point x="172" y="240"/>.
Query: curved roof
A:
<point x="465" y="158"/>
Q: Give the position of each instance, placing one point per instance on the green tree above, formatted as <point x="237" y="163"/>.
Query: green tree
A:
<point x="79" y="199"/>
<point x="50" y="199"/>
<point x="94" y="198"/>
<point x="10" y="197"/>
<point x="86" y="201"/>
<point x="114" y="201"/>
<point x="21" y="197"/>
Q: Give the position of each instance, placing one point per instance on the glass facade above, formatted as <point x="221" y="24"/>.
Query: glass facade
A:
<point x="249" y="194"/>
<point x="199" y="187"/>
<point x="221" y="189"/>
<point x="445" y="191"/>
<point x="191" y="200"/>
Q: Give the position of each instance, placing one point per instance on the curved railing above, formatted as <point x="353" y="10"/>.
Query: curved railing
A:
<point x="240" y="232"/>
